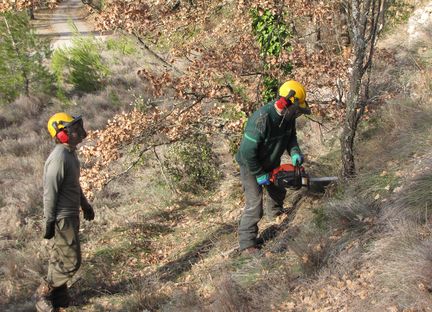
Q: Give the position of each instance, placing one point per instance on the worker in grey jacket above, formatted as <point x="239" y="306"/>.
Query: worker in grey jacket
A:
<point x="63" y="198"/>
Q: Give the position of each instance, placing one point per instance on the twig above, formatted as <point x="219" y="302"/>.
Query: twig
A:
<point x="170" y="113"/>
<point x="141" y="153"/>
<point x="156" y="55"/>
<point x="318" y="122"/>
<point x="163" y="172"/>
<point x="135" y="162"/>
<point x="250" y="74"/>
<point x="416" y="63"/>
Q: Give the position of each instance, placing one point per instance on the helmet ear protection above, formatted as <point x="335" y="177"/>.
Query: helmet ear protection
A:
<point x="62" y="136"/>
<point x="285" y="101"/>
<point x="61" y="133"/>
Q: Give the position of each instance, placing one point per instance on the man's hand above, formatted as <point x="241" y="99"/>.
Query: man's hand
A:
<point x="296" y="156"/>
<point x="263" y="179"/>
<point x="49" y="230"/>
<point x="88" y="211"/>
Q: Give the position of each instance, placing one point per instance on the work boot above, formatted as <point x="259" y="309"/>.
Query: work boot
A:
<point x="43" y="297"/>
<point x="60" y="297"/>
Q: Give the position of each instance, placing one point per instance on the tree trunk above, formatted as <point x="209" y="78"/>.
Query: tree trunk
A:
<point x="347" y="145"/>
<point x="365" y="19"/>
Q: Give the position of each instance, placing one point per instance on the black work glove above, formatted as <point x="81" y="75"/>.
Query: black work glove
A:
<point x="49" y="230"/>
<point x="88" y="212"/>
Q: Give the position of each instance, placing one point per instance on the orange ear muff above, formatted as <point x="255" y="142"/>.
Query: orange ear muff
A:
<point x="62" y="136"/>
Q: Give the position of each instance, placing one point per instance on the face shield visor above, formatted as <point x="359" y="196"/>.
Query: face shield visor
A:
<point x="295" y="110"/>
<point x="76" y="130"/>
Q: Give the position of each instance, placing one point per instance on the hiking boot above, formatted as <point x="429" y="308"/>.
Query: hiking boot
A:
<point x="43" y="297"/>
<point x="60" y="297"/>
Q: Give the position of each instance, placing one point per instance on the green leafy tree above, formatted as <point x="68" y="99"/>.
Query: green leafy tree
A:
<point x="22" y="57"/>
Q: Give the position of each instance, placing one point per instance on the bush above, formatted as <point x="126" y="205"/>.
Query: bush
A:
<point x="80" y="65"/>
<point x="192" y="165"/>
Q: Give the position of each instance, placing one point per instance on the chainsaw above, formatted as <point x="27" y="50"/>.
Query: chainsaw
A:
<point x="295" y="177"/>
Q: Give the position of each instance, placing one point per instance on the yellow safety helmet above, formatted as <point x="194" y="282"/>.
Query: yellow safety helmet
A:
<point x="59" y="121"/>
<point x="292" y="86"/>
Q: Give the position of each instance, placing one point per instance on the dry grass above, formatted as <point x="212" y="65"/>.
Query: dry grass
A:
<point x="353" y="213"/>
<point x="312" y="249"/>
<point x="21" y="109"/>
<point x="21" y="270"/>
<point x="413" y="202"/>
<point x="230" y="297"/>
<point x="404" y="259"/>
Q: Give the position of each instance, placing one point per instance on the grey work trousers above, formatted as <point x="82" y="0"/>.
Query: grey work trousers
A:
<point x="253" y="211"/>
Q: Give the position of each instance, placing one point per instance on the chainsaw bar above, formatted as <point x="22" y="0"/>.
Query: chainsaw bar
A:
<point x="323" y="179"/>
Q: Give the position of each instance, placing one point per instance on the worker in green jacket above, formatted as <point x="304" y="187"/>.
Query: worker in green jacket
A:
<point x="269" y="132"/>
<point x="62" y="198"/>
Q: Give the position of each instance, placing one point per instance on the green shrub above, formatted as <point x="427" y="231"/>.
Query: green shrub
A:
<point x="80" y="65"/>
<point x="270" y="88"/>
<point x="270" y="31"/>
<point x="272" y="35"/>
<point x="192" y="165"/>
<point x="22" y="54"/>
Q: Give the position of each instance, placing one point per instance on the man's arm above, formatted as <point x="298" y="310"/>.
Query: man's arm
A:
<point x="53" y="179"/>
<point x="252" y="138"/>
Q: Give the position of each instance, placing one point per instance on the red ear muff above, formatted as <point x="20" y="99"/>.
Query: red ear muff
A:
<point x="62" y="136"/>
<point x="281" y="103"/>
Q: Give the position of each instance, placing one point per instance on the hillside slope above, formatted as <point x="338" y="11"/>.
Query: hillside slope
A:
<point x="155" y="246"/>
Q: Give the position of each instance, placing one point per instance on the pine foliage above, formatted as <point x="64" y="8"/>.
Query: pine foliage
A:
<point x="22" y="57"/>
<point x="80" y="64"/>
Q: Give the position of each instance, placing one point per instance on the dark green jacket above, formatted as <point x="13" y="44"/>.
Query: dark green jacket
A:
<point x="62" y="190"/>
<point x="265" y="139"/>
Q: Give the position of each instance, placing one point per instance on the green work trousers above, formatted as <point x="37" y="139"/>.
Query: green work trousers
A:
<point x="65" y="257"/>
<point x="253" y="211"/>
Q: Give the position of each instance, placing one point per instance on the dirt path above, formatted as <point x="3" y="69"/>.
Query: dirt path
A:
<point x="58" y="23"/>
